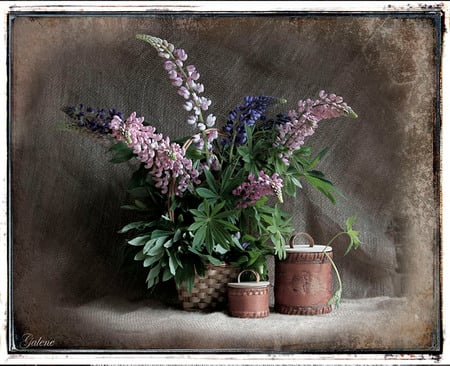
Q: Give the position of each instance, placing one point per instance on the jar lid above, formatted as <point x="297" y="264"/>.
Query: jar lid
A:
<point x="249" y="284"/>
<point x="253" y="284"/>
<point x="303" y="248"/>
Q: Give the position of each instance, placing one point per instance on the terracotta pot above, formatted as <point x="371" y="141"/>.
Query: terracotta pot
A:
<point x="303" y="281"/>
<point x="248" y="299"/>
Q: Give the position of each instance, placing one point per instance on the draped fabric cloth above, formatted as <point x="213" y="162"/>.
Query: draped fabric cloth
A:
<point x="71" y="282"/>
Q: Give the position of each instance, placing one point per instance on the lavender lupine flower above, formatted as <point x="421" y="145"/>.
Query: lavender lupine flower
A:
<point x="185" y="78"/>
<point x="304" y="121"/>
<point x="95" y="119"/>
<point x="204" y="142"/>
<point x="257" y="187"/>
<point x="170" y="163"/>
<point x="143" y="139"/>
<point x="166" y="161"/>
<point x="247" y="114"/>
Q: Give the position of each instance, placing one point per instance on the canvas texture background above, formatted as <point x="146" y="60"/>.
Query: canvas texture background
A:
<point x="71" y="280"/>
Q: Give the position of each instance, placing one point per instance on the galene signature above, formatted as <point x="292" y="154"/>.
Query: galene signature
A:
<point x="29" y="341"/>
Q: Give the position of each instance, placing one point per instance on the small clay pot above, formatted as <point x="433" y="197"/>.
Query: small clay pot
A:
<point x="248" y="299"/>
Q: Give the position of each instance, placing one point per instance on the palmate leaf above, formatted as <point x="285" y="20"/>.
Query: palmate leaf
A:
<point x="352" y="234"/>
<point x="212" y="226"/>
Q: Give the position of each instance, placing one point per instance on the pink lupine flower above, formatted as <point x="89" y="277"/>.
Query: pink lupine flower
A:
<point x="184" y="92"/>
<point x="143" y="139"/>
<point x="166" y="161"/>
<point x="169" y="66"/>
<point x="257" y="187"/>
<point x="180" y="54"/>
<point x="305" y="119"/>
<point x="170" y="163"/>
<point x="210" y="120"/>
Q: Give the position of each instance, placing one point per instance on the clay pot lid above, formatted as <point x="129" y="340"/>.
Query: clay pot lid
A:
<point x="253" y="284"/>
<point x="305" y="248"/>
<point x="308" y="249"/>
<point x="249" y="284"/>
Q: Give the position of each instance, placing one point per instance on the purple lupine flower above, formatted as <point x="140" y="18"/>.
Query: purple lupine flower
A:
<point x="257" y="187"/>
<point x="246" y="114"/>
<point x="304" y="121"/>
<point x="184" y="78"/>
<point x="165" y="160"/>
<point x="96" y="120"/>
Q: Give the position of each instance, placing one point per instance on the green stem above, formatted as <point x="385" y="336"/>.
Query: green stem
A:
<point x="337" y="295"/>
<point x="338" y="292"/>
<point x="335" y="237"/>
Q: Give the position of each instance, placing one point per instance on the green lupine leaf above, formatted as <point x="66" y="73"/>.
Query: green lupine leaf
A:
<point x="206" y="193"/>
<point x="160" y="233"/>
<point x="210" y="180"/>
<point x="197" y="213"/>
<point x="139" y="240"/>
<point x="317" y="159"/>
<point x="243" y="151"/>
<point x="157" y="247"/>
<point x="196" y="225"/>
<point x="138" y="225"/>
<point x="167" y="275"/>
<point x="199" y="237"/>
<point x="140" y="256"/>
<point x="168" y="243"/>
<point x="131" y="208"/>
<point x="152" y="277"/>
<point x="317" y="174"/>
<point x="149" y="261"/>
<point x="207" y="257"/>
<point x="323" y="186"/>
<point x="173" y="265"/>
<point x="352" y="234"/>
<point x="350" y="222"/>
<point x="140" y="204"/>
<point x="228" y="225"/>
<point x="336" y="298"/>
<point x="177" y="235"/>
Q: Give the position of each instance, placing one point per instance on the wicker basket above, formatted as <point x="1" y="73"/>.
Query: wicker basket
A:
<point x="209" y="292"/>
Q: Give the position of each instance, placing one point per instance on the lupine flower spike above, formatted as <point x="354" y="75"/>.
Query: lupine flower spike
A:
<point x="304" y="121"/>
<point x="185" y="78"/>
<point x="165" y="160"/>
<point x="257" y="187"/>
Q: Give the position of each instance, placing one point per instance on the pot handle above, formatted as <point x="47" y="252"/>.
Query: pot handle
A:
<point x="309" y="237"/>
<point x="249" y="270"/>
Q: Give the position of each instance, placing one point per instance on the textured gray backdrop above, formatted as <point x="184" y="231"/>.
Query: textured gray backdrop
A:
<point x="69" y="282"/>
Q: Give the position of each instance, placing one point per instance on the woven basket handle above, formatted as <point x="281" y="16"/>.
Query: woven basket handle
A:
<point x="249" y="270"/>
<point x="309" y="237"/>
